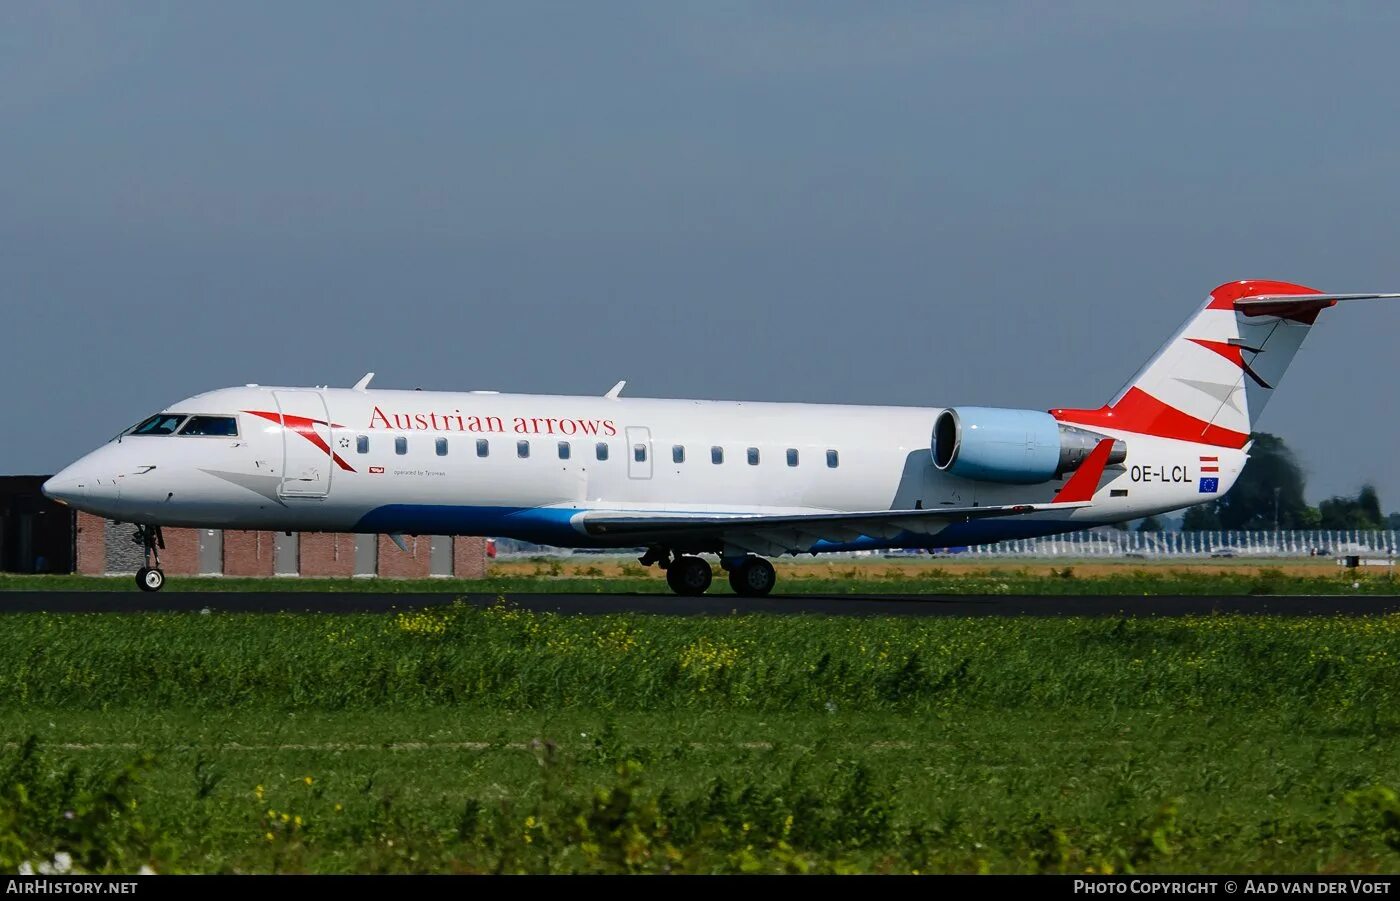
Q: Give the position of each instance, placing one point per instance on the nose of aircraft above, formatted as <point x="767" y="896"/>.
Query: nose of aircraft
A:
<point x="67" y="487"/>
<point x="85" y="486"/>
<point x="93" y="483"/>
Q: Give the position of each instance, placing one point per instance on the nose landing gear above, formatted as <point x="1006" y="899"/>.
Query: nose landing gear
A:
<point x="150" y="579"/>
<point x="152" y="541"/>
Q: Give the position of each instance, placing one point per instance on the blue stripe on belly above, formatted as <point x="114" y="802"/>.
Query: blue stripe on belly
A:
<point x="542" y="525"/>
<point x="546" y="525"/>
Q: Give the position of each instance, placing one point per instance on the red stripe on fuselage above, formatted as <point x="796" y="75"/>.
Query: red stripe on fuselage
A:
<point x="306" y="428"/>
<point x="1140" y="412"/>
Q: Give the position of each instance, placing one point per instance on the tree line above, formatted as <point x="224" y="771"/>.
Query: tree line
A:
<point x="1270" y="495"/>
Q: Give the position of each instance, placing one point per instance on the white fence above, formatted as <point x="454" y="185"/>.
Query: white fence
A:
<point x="1113" y="543"/>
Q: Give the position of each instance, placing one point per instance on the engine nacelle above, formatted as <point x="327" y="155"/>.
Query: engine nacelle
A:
<point x="1019" y="447"/>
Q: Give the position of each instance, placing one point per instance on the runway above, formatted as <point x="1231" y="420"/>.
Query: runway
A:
<point x="712" y="605"/>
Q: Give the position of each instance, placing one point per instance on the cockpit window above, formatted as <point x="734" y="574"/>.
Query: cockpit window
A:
<point x="159" y="424"/>
<point x="212" y="426"/>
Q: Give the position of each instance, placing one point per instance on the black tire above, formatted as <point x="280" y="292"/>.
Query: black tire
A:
<point x="150" y="579"/>
<point x="754" y="578"/>
<point x="689" y="576"/>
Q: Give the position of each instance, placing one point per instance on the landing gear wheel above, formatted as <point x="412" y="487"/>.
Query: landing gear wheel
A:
<point x="689" y="576"/>
<point x="753" y="578"/>
<point x="148" y="578"/>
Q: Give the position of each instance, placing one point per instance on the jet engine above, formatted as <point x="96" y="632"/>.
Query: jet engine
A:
<point x="1019" y="447"/>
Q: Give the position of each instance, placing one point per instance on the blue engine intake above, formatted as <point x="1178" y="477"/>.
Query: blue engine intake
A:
<point x="1019" y="447"/>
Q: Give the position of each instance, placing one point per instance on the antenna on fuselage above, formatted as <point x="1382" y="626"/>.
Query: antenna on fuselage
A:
<point x="616" y="390"/>
<point x="363" y="383"/>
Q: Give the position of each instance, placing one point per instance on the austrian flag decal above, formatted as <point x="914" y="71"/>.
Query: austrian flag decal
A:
<point x="1210" y="484"/>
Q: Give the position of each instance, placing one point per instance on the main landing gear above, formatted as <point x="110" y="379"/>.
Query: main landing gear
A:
<point x="752" y="577"/>
<point x="152" y="541"/>
<point x="690" y="575"/>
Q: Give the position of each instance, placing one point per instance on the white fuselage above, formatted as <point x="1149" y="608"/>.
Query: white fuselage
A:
<point x="409" y="462"/>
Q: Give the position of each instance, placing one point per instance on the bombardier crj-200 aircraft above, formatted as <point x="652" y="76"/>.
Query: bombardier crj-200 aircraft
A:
<point x="686" y="478"/>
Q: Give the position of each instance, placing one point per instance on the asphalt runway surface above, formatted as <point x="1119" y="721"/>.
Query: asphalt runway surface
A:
<point x="712" y="605"/>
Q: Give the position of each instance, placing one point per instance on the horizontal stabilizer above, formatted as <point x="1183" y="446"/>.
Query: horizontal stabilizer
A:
<point x="1276" y="298"/>
<point x="1298" y="305"/>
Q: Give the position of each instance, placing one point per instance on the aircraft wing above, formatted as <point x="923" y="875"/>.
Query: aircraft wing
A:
<point x="772" y="535"/>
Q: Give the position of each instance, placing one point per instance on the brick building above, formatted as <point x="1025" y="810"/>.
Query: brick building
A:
<point x="38" y="535"/>
<point x="103" y="547"/>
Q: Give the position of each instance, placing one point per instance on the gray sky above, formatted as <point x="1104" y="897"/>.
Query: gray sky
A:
<point x="965" y="203"/>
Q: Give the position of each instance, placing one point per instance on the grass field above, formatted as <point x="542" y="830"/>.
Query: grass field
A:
<point x="485" y="740"/>
<point x="922" y="575"/>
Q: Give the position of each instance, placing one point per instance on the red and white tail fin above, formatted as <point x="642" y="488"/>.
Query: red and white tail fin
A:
<point x="1210" y="382"/>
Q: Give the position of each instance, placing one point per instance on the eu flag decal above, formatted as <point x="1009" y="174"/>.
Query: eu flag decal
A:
<point x="1210" y="486"/>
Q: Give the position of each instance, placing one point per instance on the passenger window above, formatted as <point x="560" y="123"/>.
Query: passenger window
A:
<point x="401" y="445"/>
<point x="211" y="426"/>
<point x="678" y="454"/>
<point x="716" y="454"/>
<point x="159" y="424"/>
<point x="753" y="456"/>
<point x="639" y="453"/>
<point x="792" y="456"/>
<point x="522" y="449"/>
<point x="441" y="445"/>
<point x="361" y="444"/>
<point x="602" y="450"/>
<point x="833" y="460"/>
<point x="483" y="447"/>
<point x="564" y="450"/>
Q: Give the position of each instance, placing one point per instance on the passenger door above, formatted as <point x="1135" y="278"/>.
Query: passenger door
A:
<point x="306" y="444"/>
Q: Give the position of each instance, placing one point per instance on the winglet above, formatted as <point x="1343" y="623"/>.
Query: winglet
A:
<point x="616" y="391"/>
<point x="398" y="539"/>
<point x="1085" y="481"/>
<point x="363" y="383"/>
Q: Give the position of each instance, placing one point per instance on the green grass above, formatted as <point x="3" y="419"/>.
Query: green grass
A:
<point x="468" y="740"/>
<point x="962" y="579"/>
